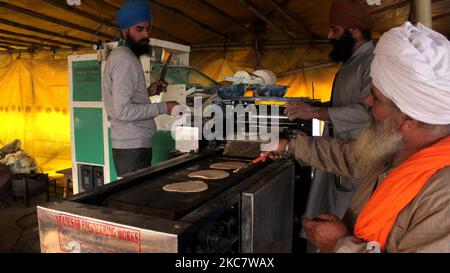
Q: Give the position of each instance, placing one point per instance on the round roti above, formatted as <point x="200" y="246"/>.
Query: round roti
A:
<point x="190" y="186"/>
<point x="231" y="165"/>
<point x="209" y="174"/>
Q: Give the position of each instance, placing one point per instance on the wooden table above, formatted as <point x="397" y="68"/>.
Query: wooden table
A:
<point x="67" y="177"/>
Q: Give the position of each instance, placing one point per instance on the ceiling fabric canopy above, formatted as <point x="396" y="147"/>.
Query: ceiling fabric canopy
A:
<point x="288" y="37"/>
<point x="198" y="23"/>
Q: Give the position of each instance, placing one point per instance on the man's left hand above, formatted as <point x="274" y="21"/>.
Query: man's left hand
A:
<point x="324" y="231"/>
<point x="157" y="88"/>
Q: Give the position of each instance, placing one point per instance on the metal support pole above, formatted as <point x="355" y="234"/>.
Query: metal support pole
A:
<point x="423" y="12"/>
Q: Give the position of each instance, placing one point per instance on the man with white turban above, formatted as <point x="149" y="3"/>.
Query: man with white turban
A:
<point x="401" y="160"/>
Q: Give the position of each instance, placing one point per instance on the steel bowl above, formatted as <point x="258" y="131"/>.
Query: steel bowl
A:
<point x="232" y="91"/>
<point x="278" y="91"/>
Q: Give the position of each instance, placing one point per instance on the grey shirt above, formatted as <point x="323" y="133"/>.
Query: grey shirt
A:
<point x="127" y="103"/>
<point x="352" y="84"/>
<point x="330" y="193"/>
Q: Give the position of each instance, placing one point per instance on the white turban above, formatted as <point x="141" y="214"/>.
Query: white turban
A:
<point x="412" y="68"/>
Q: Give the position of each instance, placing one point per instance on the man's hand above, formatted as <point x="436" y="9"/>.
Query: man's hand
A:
<point x="300" y="110"/>
<point x="170" y="106"/>
<point x="277" y="152"/>
<point x="324" y="231"/>
<point x="157" y="88"/>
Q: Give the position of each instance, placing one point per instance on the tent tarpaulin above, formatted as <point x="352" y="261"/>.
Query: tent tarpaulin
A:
<point x="34" y="105"/>
<point x="34" y="108"/>
<point x="34" y="101"/>
<point x="218" y="64"/>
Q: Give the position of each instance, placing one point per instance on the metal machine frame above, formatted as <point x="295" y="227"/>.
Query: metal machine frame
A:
<point x="82" y="224"/>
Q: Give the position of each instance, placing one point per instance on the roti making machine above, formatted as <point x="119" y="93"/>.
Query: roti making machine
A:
<point x="250" y="211"/>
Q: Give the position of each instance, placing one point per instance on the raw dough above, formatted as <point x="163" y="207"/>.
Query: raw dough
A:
<point x="190" y="186"/>
<point x="231" y="165"/>
<point x="209" y="174"/>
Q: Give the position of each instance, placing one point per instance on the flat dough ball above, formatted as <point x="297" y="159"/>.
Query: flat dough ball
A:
<point x="231" y="165"/>
<point x="209" y="174"/>
<point x="190" y="186"/>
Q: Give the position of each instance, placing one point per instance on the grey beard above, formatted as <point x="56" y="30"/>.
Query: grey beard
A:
<point x="378" y="144"/>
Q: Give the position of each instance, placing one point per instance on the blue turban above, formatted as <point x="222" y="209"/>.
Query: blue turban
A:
<point x="133" y="12"/>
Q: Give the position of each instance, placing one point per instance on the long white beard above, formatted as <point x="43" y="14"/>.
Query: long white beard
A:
<point x="378" y="143"/>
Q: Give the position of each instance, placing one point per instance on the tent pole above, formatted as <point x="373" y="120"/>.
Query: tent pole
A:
<point x="423" y="12"/>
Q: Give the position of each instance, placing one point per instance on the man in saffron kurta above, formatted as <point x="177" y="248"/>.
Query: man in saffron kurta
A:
<point x="401" y="160"/>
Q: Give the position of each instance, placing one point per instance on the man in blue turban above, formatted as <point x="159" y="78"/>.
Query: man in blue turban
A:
<point x="126" y="95"/>
<point x="134" y="19"/>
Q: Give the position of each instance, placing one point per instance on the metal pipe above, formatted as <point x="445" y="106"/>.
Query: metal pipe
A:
<point x="390" y="7"/>
<point x="18" y="42"/>
<point x="292" y="20"/>
<point x="246" y="47"/>
<point x="250" y="6"/>
<point x="99" y="20"/>
<point x="267" y="43"/>
<point x="80" y="12"/>
<point x="423" y="12"/>
<point x="192" y="20"/>
<point x="440" y="16"/>
<point x="55" y="20"/>
<point x="42" y="31"/>
<point x="53" y="42"/>
<point x="231" y="19"/>
<point x="9" y="45"/>
<point x="17" y="51"/>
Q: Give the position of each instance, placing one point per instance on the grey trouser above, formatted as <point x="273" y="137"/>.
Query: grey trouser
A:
<point x="130" y="160"/>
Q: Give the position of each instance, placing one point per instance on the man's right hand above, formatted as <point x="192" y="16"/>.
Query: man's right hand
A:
<point x="170" y="106"/>
<point x="302" y="111"/>
<point x="325" y="231"/>
<point x="276" y="152"/>
<point x="299" y="110"/>
<point x="157" y="88"/>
